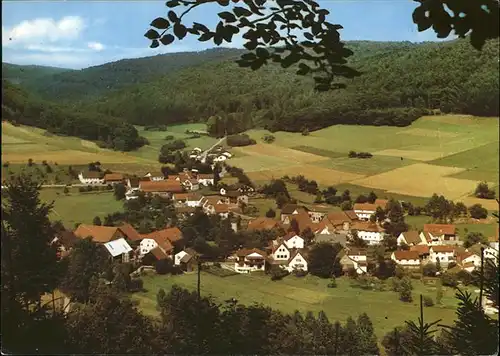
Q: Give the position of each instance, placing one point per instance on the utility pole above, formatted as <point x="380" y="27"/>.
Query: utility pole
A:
<point x="199" y="279"/>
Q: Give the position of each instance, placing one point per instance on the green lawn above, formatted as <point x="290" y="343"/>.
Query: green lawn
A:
<point x="370" y="166"/>
<point x="306" y="294"/>
<point x="356" y="190"/>
<point x="319" y="151"/>
<point x="417" y="222"/>
<point x="79" y="207"/>
<point x="59" y="174"/>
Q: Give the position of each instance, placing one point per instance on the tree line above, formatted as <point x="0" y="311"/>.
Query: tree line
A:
<point x="449" y="77"/>
<point x="20" y="107"/>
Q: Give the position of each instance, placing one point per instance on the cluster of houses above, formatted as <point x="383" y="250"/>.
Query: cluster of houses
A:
<point x="217" y="154"/>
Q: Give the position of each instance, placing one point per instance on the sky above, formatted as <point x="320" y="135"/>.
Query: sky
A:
<point x="78" y="34"/>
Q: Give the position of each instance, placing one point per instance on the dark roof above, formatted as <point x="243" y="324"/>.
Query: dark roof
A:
<point x="158" y="253"/>
<point x="233" y="193"/>
<point x="412" y="237"/>
<point x="67" y="238"/>
<point x="332" y="238"/>
<point x="92" y="174"/>
<point x="290" y="208"/>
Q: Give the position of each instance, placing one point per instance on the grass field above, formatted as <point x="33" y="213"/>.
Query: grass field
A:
<point x="306" y="294"/>
<point x="79" y="207"/>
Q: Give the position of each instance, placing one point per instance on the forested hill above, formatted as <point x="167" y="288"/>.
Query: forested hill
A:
<point x="20" y="107"/>
<point x="98" y="80"/>
<point x="29" y="75"/>
<point x="400" y="82"/>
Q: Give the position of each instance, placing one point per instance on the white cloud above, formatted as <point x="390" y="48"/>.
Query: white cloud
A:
<point x="96" y="46"/>
<point x="43" y="30"/>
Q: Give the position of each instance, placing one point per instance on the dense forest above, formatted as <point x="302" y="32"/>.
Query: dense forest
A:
<point x="400" y="82"/>
<point x="98" y="80"/>
<point x="29" y="75"/>
<point x="19" y="107"/>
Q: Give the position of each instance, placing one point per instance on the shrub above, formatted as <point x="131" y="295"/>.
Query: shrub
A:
<point x="6" y="164"/>
<point x="405" y="290"/>
<point x="270" y="213"/>
<point x="217" y="264"/>
<point x="82" y="189"/>
<point x="449" y="279"/>
<point x="351" y="272"/>
<point x="240" y="140"/>
<point x="333" y="283"/>
<point x="169" y="138"/>
<point x="428" y="302"/>
<point x="430" y="269"/>
<point x="300" y="273"/>
<point x="277" y="273"/>
<point x="268" y="138"/>
<point x="163" y="266"/>
<point x="65" y="190"/>
<point x="465" y="277"/>
<point x="136" y="285"/>
<point x="305" y="132"/>
<point x="477" y="211"/>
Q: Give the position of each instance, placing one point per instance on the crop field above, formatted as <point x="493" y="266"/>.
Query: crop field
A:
<point x="306" y="294"/>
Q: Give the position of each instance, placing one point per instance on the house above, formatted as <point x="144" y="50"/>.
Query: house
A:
<point x="489" y="252"/>
<point x="119" y="248"/>
<point x="132" y="183"/>
<point x="354" y="258"/>
<point x="91" y="178"/>
<point x="281" y="252"/>
<point x="227" y="154"/>
<point x="186" y="260"/>
<point x="289" y="210"/>
<point x="188" y="199"/>
<point x="423" y="251"/>
<point x="292" y="240"/>
<point x="164" y="239"/>
<point x="297" y="261"/>
<point x="235" y="196"/>
<point x="369" y="231"/>
<point x="365" y="210"/>
<point x="183" y="212"/>
<point x="263" y="223"/>
<point x="162" y="188"/>
<point x="408" y="259"/>
<point x="336" y="221"/>
<point x="249" y="260"/>
<point x="130" y="233"/>
<point x="99" y="234"/>
<point x="316" y="216"/>
<point x="205" y="179"/>
<point x="443" y="254"/>
<point x="469" y="261"/>
<point x="191" y="184"/>
<point x="132" y="194"/>
<point x="410" y="238"/>
<point x="113" y="178"/>
<point x="155" y="177"/>
<point x="303" y="221"/>
<point x="222" y="210"/>
<point x="445" y="233"/>
<point x="64" y="241"/>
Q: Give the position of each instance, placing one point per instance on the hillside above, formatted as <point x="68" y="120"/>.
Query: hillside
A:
<point x="29" y="75"/>
<point x="401" y="81"/>
<point x="21" y="107"/>
<point x="97" y="80"/>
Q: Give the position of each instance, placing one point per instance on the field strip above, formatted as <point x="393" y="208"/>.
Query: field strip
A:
<point x="421" y="180"/>
<point x="428" y="133"/>
<point x="490" y="204"/>
<point x="416" y="155"/>
<point x="323" y="176"/>
<point x="283" y="153"/>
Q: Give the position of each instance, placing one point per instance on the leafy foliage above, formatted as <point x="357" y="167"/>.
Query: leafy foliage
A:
<point x="324" y="261"/>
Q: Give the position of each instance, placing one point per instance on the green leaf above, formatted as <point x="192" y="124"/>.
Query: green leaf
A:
<point x="322" y="87"/>
<point x="205" y="37"/>
<point x="160" y="23"/>
<point x="243" y="64"/>
<point x="241" y="11"/>
<point x="180" y="31"/>
<point x="218" y="39"/>
<point x="248" y="56"/>
<point x="303" y="69"/>
<point x="172" y="3"/>
<point x="154" y="44"/>
<point x="200" y="27"/>
<point x="257" y="64"/>
<point x="152" y="34"/>
<point x="262" y="53"/>
<point x="227" y="16"/>
<point x="172" y="16"/>
<point x="167" y="39"/>
<point x="250" y="45"/>
<point x="279" y="18"/>
<point x="309" y="36"/>
<point x="223" y="2"/>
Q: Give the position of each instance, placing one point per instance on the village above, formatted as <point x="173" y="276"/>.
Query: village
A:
<point x="436" y="243"/>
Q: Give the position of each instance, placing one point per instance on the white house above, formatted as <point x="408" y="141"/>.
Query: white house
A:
<point x="372" y="233"/>
<point x="440" y="233"/>
<point x="365" y="210"/>
<point x="132" y="194"/>
<point x="249" y="260"/>
<point x="281" y="253"/>
<point x="206" y="179"/>
<point x="91" y="178"/>
<point x="410" y="238"/>
<point x="292" y="240"/>
<point x="194" y="200"/>
<point x="296" y="262"/>
<point x="469" y="261"/>
<point x="409" y="259"/>
<point x="444" y="254"/>
<point x="355" y="258"/>
<point x="155" y="177"/>
<point x="147" y="245"/>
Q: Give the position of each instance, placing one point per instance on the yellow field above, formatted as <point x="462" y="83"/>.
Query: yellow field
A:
<point x="421" y="180"/>
<point x="490" y="204"/>
<point x="321" y="175"/>
<point x="428" y="133"/>
<point x="416" y="155"/>
<point x="283" y="153"/>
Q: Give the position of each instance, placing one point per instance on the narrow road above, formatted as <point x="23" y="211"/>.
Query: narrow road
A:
<point x="206" y="152"/>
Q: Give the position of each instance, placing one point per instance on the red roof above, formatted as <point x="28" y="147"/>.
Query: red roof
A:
<point x="244" y="252"/>
<point x="443" y="249"/>
<point x="406" y="255"/>
<point x="421" y="249"/>
<point x="371" y="207"/>
<point x="161" y="186"/>
<point x="129" y="231"/>
<point x="158" y="253"/>
<point x="440" y="229"/>
<point x="366" y="226"/>
<point x="113" y="177"/>
<point x="262" y="223"/>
